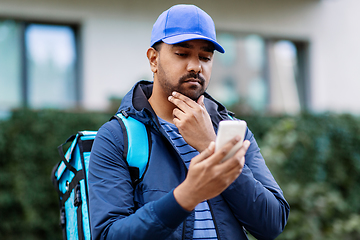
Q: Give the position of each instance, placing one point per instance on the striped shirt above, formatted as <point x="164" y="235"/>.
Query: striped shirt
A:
<point x="204" y="227"/>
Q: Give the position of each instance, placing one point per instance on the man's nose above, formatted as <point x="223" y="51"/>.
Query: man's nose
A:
<point x="194" y="65"/>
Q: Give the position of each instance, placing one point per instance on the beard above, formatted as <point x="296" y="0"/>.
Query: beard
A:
<point x="193" y="91"/>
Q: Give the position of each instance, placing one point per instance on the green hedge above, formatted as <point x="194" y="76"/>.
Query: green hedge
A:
<point x="314" y="158"/>
<point x="28" y="152"/>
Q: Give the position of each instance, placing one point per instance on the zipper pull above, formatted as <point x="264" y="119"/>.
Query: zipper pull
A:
<point x="124" y="113"/>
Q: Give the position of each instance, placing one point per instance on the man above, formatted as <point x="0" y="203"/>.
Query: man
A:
<point x="186" y="192"/>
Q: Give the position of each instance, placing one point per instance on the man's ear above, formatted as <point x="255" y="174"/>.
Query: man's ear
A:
<point x="153" y="57"/>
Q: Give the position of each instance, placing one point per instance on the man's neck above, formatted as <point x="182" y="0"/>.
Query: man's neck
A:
<point x="161" y="105"/>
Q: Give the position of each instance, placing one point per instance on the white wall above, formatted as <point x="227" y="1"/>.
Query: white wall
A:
<point x="336" y="56"/>
<point x="116" y="34"/>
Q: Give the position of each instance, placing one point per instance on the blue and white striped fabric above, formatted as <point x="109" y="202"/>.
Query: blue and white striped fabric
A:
<point x="204" y="227"/>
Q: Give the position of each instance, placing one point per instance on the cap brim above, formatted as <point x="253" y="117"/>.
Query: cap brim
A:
<point x="187" y="37"/>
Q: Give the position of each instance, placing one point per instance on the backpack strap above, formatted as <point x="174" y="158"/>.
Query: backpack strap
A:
<point x="137" y="145"/>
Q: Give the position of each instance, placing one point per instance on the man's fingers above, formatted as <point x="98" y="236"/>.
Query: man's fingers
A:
<point x="181" y="100"/>
<point x="204" y="154"/>
<point x="232" y="167"/>
<point x="238" y="157"/>
<point x="222" y="152"/>
<point x="200" y="101"/>
<point x="178" y="113"/>
<point x="181" y="97"/>
<point x="243" y="148"/>
<point x="180" y="104"/>
<point x="231" y="173"/>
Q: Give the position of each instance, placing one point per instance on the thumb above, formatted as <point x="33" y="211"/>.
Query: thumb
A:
<point x="204" y="154"/>
<point x="200" y="101"/>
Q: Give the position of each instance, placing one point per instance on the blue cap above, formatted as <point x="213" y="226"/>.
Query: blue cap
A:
<point x="182" y="23"/>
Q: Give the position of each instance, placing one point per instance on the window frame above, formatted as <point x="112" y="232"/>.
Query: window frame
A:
<point x="303" y="58"/>
<point x="303" y="47"/>
<point x="24" y="86"/>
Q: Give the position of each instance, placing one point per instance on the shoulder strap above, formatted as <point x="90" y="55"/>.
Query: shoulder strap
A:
<point x="136" y="146"/>
<point x="231" y="117"/>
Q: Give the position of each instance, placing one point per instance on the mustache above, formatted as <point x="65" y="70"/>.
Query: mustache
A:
<point x="193" y="75"/>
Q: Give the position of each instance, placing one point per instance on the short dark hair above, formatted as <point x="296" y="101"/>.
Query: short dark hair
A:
<point x="157" y="45"/>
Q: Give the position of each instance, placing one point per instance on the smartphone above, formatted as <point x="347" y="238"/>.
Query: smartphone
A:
<point x="228" y="129"/>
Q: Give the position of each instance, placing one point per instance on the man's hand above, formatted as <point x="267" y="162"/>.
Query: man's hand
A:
<point x="193" y="121"/>
<point x="208" y="176"/>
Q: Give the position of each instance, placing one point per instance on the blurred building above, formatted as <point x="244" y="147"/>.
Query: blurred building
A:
<point x="282" y="56"/>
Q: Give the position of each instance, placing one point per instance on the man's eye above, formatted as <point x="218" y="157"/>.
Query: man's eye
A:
<point x="205" y="59"/>
<point x="181" y="54"/>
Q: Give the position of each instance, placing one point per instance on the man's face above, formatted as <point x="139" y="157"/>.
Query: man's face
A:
<point x="185" y="67"/>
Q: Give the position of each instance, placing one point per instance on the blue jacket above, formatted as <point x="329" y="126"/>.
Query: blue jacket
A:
<point x="254" y="201"/>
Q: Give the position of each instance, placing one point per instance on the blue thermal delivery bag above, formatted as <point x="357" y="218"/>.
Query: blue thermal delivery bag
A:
<point x="70" y="180"/>
<point x="70" y="175"/>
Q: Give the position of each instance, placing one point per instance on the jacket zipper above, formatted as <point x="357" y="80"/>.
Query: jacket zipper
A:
<point x="183" y="230"/>
<point x="214" y="220"/>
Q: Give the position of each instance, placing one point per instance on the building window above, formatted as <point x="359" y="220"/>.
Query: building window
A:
<point x="10" y="66"/>
<point x="51" y="62"/>
<point x="38" y="66"/>
<point x="260" y="75"/>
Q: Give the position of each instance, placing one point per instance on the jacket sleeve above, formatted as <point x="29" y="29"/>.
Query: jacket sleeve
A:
<point x="112" y="209"/>
<point x="255" y="198"/>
